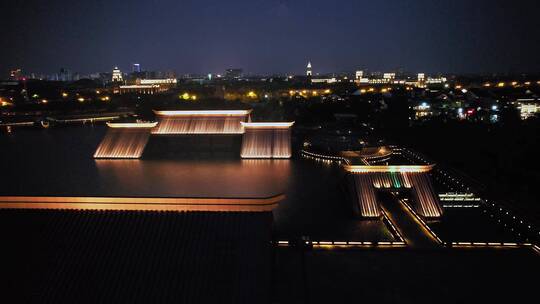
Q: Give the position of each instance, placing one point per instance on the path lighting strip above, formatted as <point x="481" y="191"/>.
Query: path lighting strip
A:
<point x="395" y="230"/>
<point x="421" y="221"/>
<point x="353" y="244"/>
<point x="15" y="124"/>
<point x="461" y="206"/>
<point x="203" y="112"/>
<point x="504" y="212"/>
<point x="337" y="159"/>
<point x="535" y="248"/>
<point x="346" y="244"/>
<point x="91" y="119"/>
<point x="400" y="169"/>
<point x="135" y="125"/>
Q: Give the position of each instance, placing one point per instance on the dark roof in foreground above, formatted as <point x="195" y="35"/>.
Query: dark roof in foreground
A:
<point x="136" y="257"/>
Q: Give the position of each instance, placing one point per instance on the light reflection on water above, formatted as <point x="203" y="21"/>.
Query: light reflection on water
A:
<point x="196" y="178"/>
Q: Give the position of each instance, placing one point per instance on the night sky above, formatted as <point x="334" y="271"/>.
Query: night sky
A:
<point x="271" y="36"/>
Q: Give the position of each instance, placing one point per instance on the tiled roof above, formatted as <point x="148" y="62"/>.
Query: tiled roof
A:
<point x="136" y="257"/>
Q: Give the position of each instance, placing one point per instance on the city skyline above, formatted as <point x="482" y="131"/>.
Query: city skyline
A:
<point x="272" y="37"/>
<point x="269" y="151"/>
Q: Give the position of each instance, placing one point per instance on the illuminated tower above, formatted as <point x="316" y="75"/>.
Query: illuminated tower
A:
<point x="117" y="75"/>
<point x="309" y="72"/>
<point x="421" y="80"/>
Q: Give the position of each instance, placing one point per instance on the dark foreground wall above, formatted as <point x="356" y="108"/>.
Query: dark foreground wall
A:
<point x="135" y="257"/>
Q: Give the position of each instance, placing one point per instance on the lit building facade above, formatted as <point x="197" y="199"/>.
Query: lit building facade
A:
<point x="146" y="86"/>
<point x="117" y="75"/>
<point x="142" y="89"/>
<point x="266" y="140"/>
<point x="528" y="109"/>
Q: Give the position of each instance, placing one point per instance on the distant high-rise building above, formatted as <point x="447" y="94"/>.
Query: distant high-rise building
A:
<point x="421" y="77"/>
<point x="389" y="76"/>
<point x="233" y="73"/>
<point x="359" y="75"/>
<point x="309" y="71"/>
<point x="117" y="75"/>
<point x="136" y="68"/>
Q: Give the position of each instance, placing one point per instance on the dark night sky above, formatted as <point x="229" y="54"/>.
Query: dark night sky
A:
<point x="271" y="36"/>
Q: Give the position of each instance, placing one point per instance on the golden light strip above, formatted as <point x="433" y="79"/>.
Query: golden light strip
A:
<point x="347" y="244"/>
<point x="422" y="223"/>
<point x="126" y="125"/>
<point x="203" y="112"/>
<point x="102" y="118"/>
<point x="476" y="245"/>
<point x="13" y="124"/>
<point x="142" y="203"/>
<point x="356" y="244"/>
<point x="324" y="157"/>
<point x="389" y="169"/>
<point x="392" y="226"/>
<point x="267" y="124"/>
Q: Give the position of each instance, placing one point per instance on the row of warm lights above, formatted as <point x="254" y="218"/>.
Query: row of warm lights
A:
<point x="507" y="213"/>
<point x="103" y="98"/>
<point x="312" y="92"/>
<point x="397" y="169"/>
<point x="187" y="96"/>
<point x="203" y="112"/>
<point x="383" y="90"/>
<point x="65" y="95"/>
<point x="267" y="124"/>
<point x="461" y="206"/>
<point x="322" y="160"/>
<point x="80" y="99"/>
<point x="497" y="84"/>
<point x="136" y="125"/>
<point x="351" y="244"/>
<point x="489" y="244"/>
<point x="327" y="158"/>
<point x="503" y="84"/>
